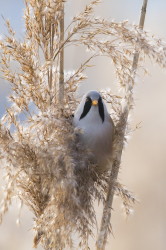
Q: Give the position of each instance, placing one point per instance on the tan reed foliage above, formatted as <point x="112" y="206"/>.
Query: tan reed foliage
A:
<point x="45" y="165"/>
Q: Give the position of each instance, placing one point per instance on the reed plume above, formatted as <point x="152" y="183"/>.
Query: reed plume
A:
<point x="45" y="165"/>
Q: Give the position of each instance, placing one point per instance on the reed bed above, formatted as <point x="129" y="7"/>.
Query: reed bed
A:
<point x="44" y="164"/>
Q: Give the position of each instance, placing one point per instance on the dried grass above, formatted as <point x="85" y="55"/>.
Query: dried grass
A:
<point x="45" y="165"/>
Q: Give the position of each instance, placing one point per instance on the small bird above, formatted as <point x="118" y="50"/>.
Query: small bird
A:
<point x="97" y="129"/>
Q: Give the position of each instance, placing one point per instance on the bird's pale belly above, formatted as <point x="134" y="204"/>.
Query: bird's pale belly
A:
<point x="99" y="142"/>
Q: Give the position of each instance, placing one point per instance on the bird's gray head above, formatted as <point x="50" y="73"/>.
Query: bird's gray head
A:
<point x="93" y="98"/>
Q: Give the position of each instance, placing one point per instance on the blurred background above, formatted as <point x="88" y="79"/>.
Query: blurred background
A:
<point x="143" y="168"/>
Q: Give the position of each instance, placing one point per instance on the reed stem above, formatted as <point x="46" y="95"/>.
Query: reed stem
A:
<point x="105" y="221"/>
<point x="61" y="74"/>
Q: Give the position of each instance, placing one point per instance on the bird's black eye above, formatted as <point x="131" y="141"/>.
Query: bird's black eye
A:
<point x="100" y="100"/>
<point x="101" y="109"/>
<point x="87" y="107"/>
<point x="88" y="99"/>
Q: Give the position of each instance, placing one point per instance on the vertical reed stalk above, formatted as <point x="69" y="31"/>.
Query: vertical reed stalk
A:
<point x="50" y="74"/>
<point x="61" y="75"/>
<point x="105" y="222"/>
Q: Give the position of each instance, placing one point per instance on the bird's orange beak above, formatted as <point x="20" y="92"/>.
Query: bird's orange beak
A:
<point x="94" y="102"/>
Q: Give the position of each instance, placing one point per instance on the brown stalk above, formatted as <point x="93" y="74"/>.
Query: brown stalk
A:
<point x="105" y="222"/>
<point x="61" y="76"/>
<point x="50" y="76"/>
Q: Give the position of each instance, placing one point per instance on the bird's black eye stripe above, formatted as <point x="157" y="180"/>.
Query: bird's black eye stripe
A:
<point x="101" y="109"/>
<point x="87" y="107"/>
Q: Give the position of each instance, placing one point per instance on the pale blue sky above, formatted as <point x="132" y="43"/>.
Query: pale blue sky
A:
<point x="12" y="10"/>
